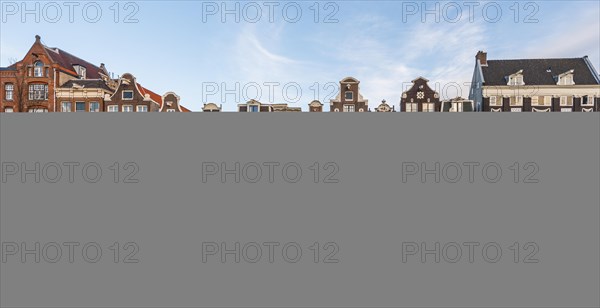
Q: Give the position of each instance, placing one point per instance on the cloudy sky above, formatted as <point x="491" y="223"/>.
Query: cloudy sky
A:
<point x="295" y="52"/>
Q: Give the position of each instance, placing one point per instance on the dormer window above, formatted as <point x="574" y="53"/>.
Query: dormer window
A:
<point x="516" y="79"/>
<point x="38" y="69"/>
<point x="566" y="79"/>
<point x="80" y="70"/>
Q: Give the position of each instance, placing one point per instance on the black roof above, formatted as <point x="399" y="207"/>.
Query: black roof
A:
<point x="87" y="83"/>
<point x="535" y="71"/>
<point x="10" y="68"/>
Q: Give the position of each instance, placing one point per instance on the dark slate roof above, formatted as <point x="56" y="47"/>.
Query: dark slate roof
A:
<point x="87" y="84"/>
<point x="535" y="71"/>
<point x="10" y="68"/>
<point x="67" y="60"/>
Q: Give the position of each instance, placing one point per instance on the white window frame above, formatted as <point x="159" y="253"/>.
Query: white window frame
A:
<point x="519" y="100"/>
<point x="249" y="108"/>
<point x="130" y="107"/>
<point x="38" y="70"/>
<point x="493" y="101"/>
<point x="590" y="100"/>
<point x="412" y="107"/>
<point x="173" y="110"/>
<point x="64" y="104"/>
<point x="39" y="94"/>
<point x="547" y="100"/>
<point x="112" y="108"/>
<point x="516" y="109"/>
<point x="564" y="101"/>
<point x="351" y="96"/>
<point x="349" y="108"/>
<point x="6" y="109"/>
<point x="9" y="90"/>
<point x="90" y="107"/>
<point x="128" y="91"/>
<point x="139" y="108"/>
<point x="566" y="109"/>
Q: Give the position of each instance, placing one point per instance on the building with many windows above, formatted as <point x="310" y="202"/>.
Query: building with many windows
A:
<point x="420" y="98"/>
<point x="535" y="85"/>
<point x="349" y="99"/>
<point x="50" y="79"/>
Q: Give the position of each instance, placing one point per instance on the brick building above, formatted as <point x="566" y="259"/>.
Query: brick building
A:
<point x="535" y="85"/>
<point x="420" y="98"/>
<point x="49" y="79"/>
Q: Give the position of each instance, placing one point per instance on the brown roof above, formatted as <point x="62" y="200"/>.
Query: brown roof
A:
<point x="67" y="60"/>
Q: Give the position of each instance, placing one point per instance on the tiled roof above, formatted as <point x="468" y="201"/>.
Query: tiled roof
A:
<point x="535" y="71"/>
<point x="87" y="83"/>
<point x="155" y="97"/>
<point x="67" y="60"/>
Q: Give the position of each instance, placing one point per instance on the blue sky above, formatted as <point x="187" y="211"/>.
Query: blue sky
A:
<point x="177" y="46"/>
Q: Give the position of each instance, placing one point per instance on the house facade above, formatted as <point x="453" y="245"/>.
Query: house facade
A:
<point x="349" y="99"/>
<point x="256" y="106"/>
<point x="420" y="98"/>
<point x="49" y="79"/>
<point x="458" y="104"/>
<point x="535" y="85"/>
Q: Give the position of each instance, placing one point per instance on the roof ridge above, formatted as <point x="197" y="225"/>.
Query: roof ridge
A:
<point x="536" y="59"/>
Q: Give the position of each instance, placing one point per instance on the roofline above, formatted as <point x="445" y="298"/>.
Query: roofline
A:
<point x="535" y="59"/>
<point x="592" y="69"/>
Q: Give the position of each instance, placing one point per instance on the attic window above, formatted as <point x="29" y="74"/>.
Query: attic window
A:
<point x="516" y="79"/>
<point x="566" y="79"/>
<point x="80" y="70"/>
<point x="38" y="69"/>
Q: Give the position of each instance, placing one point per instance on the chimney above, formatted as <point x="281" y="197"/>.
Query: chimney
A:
<point x="37" y="38"/>
<point x="482" y="58"/>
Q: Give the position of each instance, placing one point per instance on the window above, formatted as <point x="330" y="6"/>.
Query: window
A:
<point x="428" y="107"/>
<point x="493" y="100"/>
<point x="566" y="80"/>
<point x="38" y="92"/>
<point x="535" y="100"/>
<point x="8" y="91"/>
<point x="349" y="108"/>
<point x="515" y="109"/>
<point x="519" y="101"/>
<point x="336" y="110"/>
<point x="516" y="80"/>
<point x="80" y="70"/>
<point x="37" y="110"/>
<point x="127" y="108"/>
<point x="564" y="101"/>
<point x="65" y="107"/>
<point x="38" y="69"/>
<point x="586" y="100"/>
<point x="94" y="107"/>
<point x="412" y="107"/>
<point x="128" y="95"/>
<point x="141" y="108"/>
<point x="349" y="95"/>
<point x="547" y="100"/>
<point x="79" y="107"/>
<point x="566" y="110"/>
<point x="456" y="107"/>
<point x="251" y="108"/>
<point x="8" y="109"/>
<point x="173" y="110"/>
<point x="112" y="108"/>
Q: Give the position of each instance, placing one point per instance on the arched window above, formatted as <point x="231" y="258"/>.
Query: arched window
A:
<point x="38" y="69"/>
